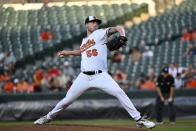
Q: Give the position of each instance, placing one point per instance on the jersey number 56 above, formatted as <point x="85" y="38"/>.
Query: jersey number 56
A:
<point x="93" y="52"/>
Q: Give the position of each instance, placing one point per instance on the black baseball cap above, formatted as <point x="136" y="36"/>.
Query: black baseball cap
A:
<point x="93" y="18"/>
<point x="165" y="70"/>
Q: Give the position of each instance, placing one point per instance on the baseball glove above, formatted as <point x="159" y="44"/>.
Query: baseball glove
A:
<point x="116" y="43"/>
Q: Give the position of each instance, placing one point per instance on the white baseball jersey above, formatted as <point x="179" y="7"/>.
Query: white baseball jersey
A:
<point x="94" y="51"/>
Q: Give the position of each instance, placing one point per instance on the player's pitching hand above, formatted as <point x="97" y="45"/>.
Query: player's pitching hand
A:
<point x="62" y="54"/>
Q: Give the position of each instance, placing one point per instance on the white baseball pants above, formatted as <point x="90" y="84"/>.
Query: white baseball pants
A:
<point x="102" y="81"/>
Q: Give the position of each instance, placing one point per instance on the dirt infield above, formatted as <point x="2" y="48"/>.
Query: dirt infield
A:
<point x="76" y="127"/>
<point x="67" y="127"/>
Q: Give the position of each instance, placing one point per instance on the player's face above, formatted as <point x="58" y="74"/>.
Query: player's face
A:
<point x="92" y="26"/>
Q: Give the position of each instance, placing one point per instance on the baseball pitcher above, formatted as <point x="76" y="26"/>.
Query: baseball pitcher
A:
<point x="93" y="51"/>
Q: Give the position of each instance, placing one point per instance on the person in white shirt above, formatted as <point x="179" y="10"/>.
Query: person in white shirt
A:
<point x="178" y="81"/>
<point x="173" y="70"/>
<point x="147" y="52"/>
<point x="94" y="73"/>
<point x="9" y="62"/>
<point x="2" y="58"/>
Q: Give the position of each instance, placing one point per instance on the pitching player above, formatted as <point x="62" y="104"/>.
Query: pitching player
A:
<point x="94" y="72"/>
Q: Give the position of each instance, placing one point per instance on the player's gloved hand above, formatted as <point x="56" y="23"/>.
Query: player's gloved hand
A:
<point x="116" y="43"/>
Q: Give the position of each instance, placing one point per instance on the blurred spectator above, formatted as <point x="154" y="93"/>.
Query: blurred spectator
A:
<point x="21" y="1"/>
<point x="194" y="35"/>
<point x="121" y="78"/>
<point x="119" y="75"/>
<point x="63" y="79"/>
<point x="136" y="54"/>
<point x="147" y="52"/>
<point x="191" y="50"/>
<point x="39" y="75"/>
<point x="46" y="35"/>
<point x="172" y="70"/>
<point x="186" y="35"/>
<point x="140" y="81"/>
<point x="15" y="85"/>
<point x="68" y="70"/>
<point x="143" y="46"/>
<point x="54" y="72"/>
<point x="2" y="58"/>
<point x="9" y="62"/>
<point x="30" y="86"/>
<point x="22" y="85"/>
<point x="178" y="81"/>
<point x="117" y="57"/>
<point x="151" y="75"/>
<point x="1" y="86"/>
<point x="163" y="66"/>
<point x="5" y="76"/>
<point x="8" y="87"/>
<point x="148" y="84"/>
<point x="191" y="83"/>
<point x="179" y="69"/>
<point x="53" y="83"/>
<point x="47" y="1"/>
<point x="190" y="72"/>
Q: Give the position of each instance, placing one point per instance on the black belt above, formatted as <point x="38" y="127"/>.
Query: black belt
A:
<point x="92" y="72"/>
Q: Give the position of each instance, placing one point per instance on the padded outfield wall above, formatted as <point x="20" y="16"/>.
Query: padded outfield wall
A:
<point x="91" y="105"/>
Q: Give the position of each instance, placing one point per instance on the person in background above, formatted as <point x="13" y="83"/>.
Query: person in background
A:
<point x="140" y="81"/>
<point x="147" y="52"/>
<point x="179" y="69"/>
<point x="9" y="62"/>
<point x="194" y="36"/>
<point x="117" y="57"/>
<point x="68" y="70"/>
<point x="148" y="84"/>
<point x="165" y="90"/>
<point x="5" y="76"/>
<point x="178" y="81"/>
<point x="53" y="83"/>
<point x="22" y="85"/>
<point x="21" y="1"/>
<point x="186" y="35"/>
<point x="136" y="54"/>
<point x="190" y="72"/>
<point x="46" y="35"/>
<point x="2" y="58"/>
<point x="30" y="86"/>
<point x="39" y="75"/>
<point x="8" y="87"/>
<point x="151" y="75"/>
<point x="172" y="70"/>
<point x="191" y="83"/>
<point x="143" y="46"/>
<point x="121" y="78"/>
<point x="15" y="85"/>
<point x="191" y="50"/>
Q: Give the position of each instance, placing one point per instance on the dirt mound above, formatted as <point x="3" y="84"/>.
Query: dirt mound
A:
<point x="67" y="127"/>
